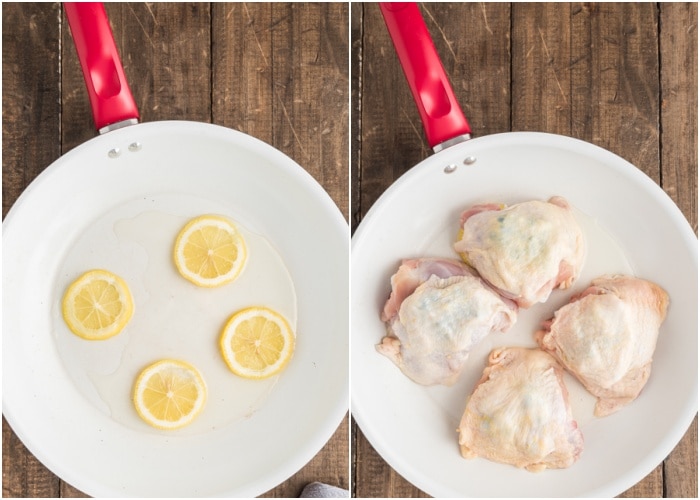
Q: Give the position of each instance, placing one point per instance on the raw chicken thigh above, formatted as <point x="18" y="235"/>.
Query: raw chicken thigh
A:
<point x="438" y="310"/>
<point x="412" y="273"/>
<point x="525" y="250"/>
<point x="519" y="413"/>
<point x="606" y="337"/>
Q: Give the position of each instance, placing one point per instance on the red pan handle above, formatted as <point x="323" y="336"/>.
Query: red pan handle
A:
<point x="443" y="120"/>
<point x="110" y="97"/>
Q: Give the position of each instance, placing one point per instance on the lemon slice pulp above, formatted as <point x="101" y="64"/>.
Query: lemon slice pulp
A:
<point x="257" y="342"/>
<point x="210" y="251"/>
<point x="169" y="394"/>
<point x="97" y="305"/>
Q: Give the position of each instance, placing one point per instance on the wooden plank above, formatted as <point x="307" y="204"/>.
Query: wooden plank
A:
<point x="356" y="92"/>
<point x="679" y="106"/>
<point x="392" y="139"/>
<point x="30" y="98"/>
<point x="166" y="48"/>
<point x="30" y="142"/>
<point x="615" y="78"/>
<point x="310" y="83"/>
<point x="242" y="72"/>
<point x="541" y="81"/>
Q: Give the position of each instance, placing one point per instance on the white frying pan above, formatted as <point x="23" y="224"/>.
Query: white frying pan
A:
<point x="631" y="226"/>
<point x="117" y="192"/>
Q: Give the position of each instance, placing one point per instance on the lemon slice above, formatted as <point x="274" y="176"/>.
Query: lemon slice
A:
<point x="257" y="343"/>
<point x="97" y="305"/>
<point x="169" y="394"/>
<point x="209" y="251"/>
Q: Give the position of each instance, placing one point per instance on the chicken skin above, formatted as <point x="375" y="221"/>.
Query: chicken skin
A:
<point x="606" y="337"/>
<point x="525" y="250"/>
<point x="519" y="413"/>
<point x="437" y="311"/>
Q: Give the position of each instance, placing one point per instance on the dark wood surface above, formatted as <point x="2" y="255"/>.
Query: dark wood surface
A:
<point x="621" y="76"/>
<point x="278" y="72"/>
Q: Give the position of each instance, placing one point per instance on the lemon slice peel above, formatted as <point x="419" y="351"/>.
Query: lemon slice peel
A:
<point x="169" y="394"/>
<point x="257" y="342"/>
<point x="97" y="305"/>
<point x="210" y="251"/>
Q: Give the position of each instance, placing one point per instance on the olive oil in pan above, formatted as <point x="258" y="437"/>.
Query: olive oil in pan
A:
<point x="173" y="318"/>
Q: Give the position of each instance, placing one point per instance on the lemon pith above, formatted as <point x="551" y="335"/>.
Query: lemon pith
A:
<point x="169" y="394"/>
<point x="210" y="251"/>
<point x="97" y="305"/>
<point x="257" y="342"/>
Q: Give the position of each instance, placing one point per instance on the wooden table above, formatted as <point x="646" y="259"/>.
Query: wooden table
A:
<point x="622" y="76"/>
<point x="278" y="72"/>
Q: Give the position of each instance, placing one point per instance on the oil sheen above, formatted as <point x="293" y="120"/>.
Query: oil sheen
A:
<point x="173" y="318"/>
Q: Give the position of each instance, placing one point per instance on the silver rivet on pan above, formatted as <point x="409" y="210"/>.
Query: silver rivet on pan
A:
<point x="134" y="146"/>
<point x="113" y="153"/>
<point x="469" y="160"/>
<point x="450" y="168"/>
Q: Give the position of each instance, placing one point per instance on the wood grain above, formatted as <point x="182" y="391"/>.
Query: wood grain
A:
<point x="622" y="76"/>
<point x="275" y="71"/>
<point x="356" y="92"/>
<point x="30" y="98"/>
<point x="679" y="103"/>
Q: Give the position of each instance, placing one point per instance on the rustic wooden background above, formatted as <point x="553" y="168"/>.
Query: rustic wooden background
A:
<point x="622" y="76"/>
<point x="278" y="72"/>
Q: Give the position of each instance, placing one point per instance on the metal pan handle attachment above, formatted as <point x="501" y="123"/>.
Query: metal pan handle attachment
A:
<point x="112" y="103"/>
<point x="443" y="121"/>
